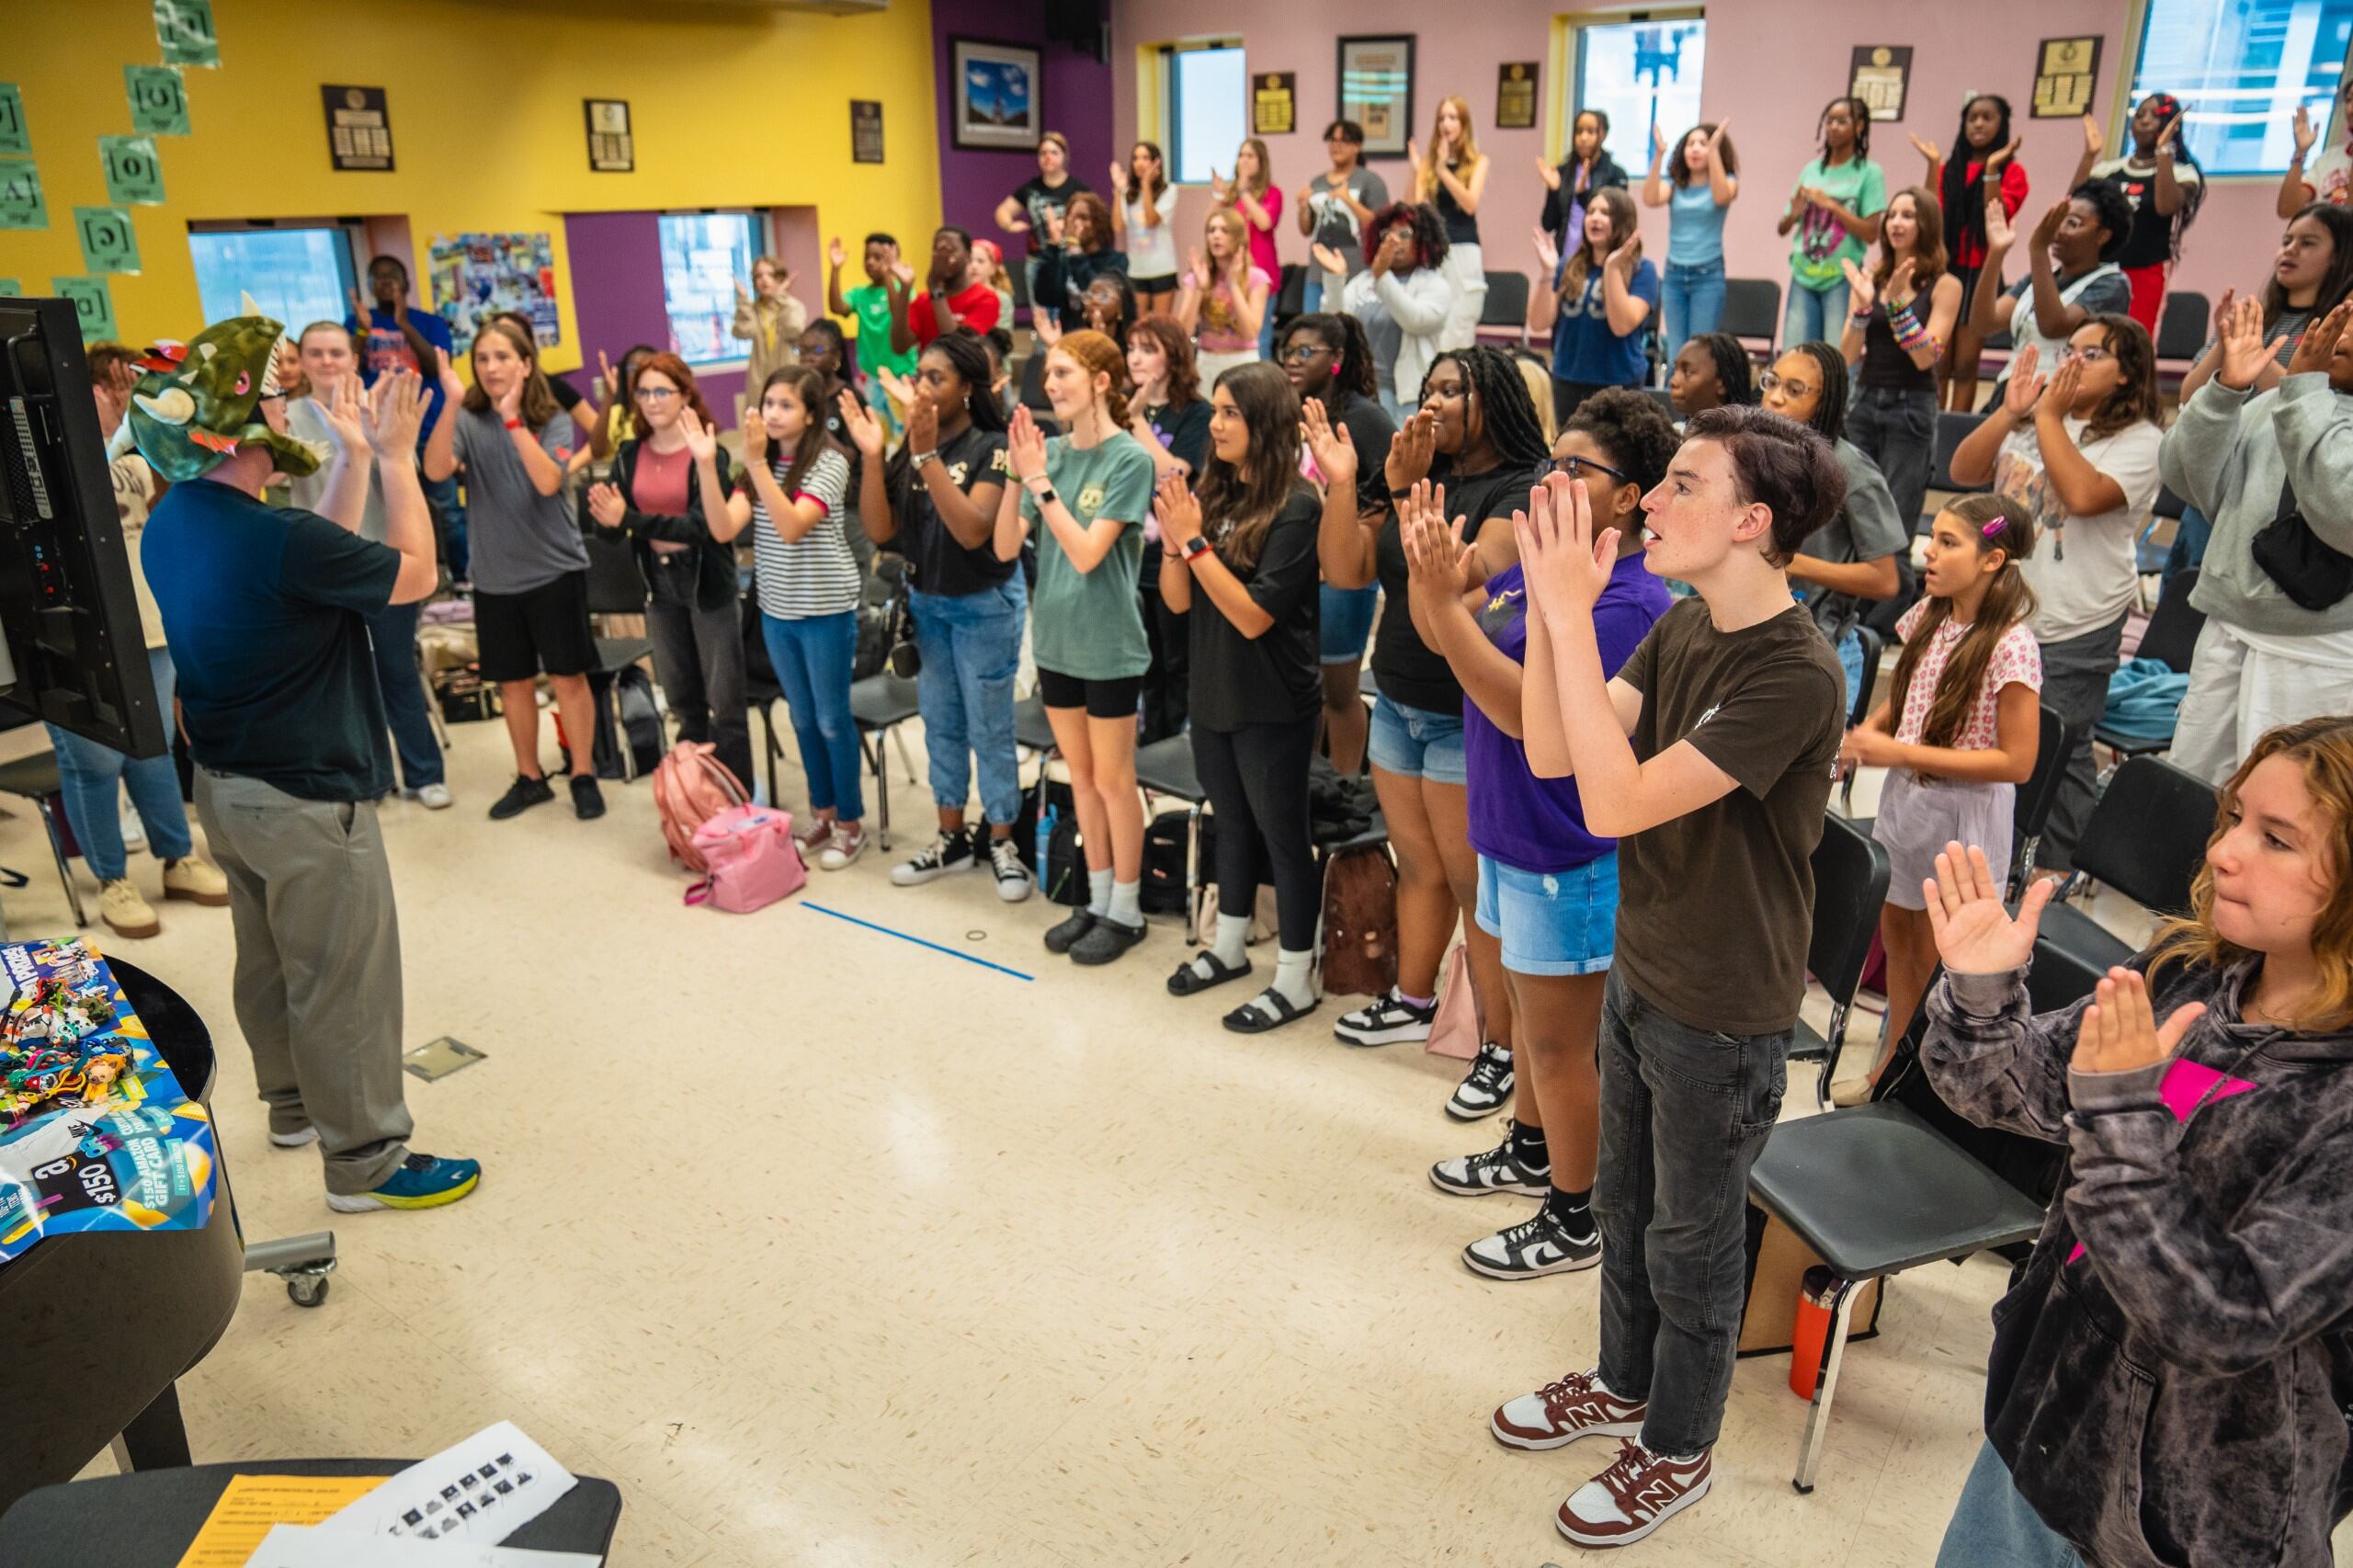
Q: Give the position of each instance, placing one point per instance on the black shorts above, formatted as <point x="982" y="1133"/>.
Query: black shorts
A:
<point x="543" y="628"/>
<point x="1101" y="699"/>
<point x="1163" y="284"/>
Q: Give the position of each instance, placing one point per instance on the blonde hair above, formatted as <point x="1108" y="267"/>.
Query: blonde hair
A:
<point x="1097" y="355"/>
<point x="1426" y="185"/>
<point x="1228" y="219"/>
<point x="2324" y="749"/>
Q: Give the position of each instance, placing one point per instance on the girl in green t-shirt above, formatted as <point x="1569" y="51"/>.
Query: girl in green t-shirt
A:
<point x="1835" y="211"/>
<point x="1085" y="494"/>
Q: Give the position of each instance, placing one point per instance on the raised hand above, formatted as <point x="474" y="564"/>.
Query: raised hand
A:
<point x="2120" y="1030"/>
<point x="1621" y="260"/>
<point x="447" y="375"/>
<point x="1547" y="252"/>
<point x="606" y="379"/>
<point x="1899" y="283"/>
<point x="1551" y="172"/>
<point x="2164" y="149"/>
<point x="900" y="279"/>
<point x="2059" y="397"/>
<point x="509" y="402"/>
<point x="2047" y="230"/>
<point x="396" y="409"/>
<point x="1999" y="234"/>
<point x="1437" y="559"/>
<point x="2094" y="141"/>
<point x="1119" y="178"/>
<point x="923" y="421"/>
<point x="1412" y="449"/>
<point x="2318" y="345"/>
<point x="2244" y="352"/>
<point x="899" y="389"/>
<point x="2000" y="155"/>
<point x="1658" y="143"/>
<point x="756" y="434"/>
<point x="1046" y="326"/>
<point x="346" y="403"/>
<point x="702" y="441"/>
<point x="1197" y="267"/>
<point x="1327" y="258"/>
<point x="2223" y="313"/>
<point x="1716" y="137"/>
<point x="1221" y="189"/>
<point x="1861" y="293"/>
<point x="605" y="505"/>
<point x="1054" y="223"/>
<point x="836" y="256"/>
<point x="1927" y="149"/>
<point x="2024" y="387"/>
<point x="743" y="295"/>
<point x="1328" y="444"/>
<point x="1025" y="446"/>
<point x="1413" y="151"/>
<point x="1975" y="935"/>
<point x="2305" y="132"/>
<point x="1179" y="513"/>
<point x="1566" y="567"/>
<point x="359" y="309"/>
<point x="865" y="431"/>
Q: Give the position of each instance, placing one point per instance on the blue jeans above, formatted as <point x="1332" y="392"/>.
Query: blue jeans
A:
<point x="813" y="658"/>
<point x="86" y="773"/>
<point x="1814" y="316"/>
<point x="443" y="494"/>
<point x="1993" y="1527"/>
<point x="1850" y="659"/>
<point x="393" y="632"/>
<point x="970" y="645"/>
<point x="1692" y="301"/>
<point x="2190" y="537"/>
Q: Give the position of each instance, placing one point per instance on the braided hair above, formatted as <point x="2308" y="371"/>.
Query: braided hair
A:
<point x="1830" y="410"/>
<point x="1507" y="419"/>
<point x="1735" y="372"/>
<point x="1862" y="113"/>
<point x="2193" y="192"/>
<point x="1962" y="199"/>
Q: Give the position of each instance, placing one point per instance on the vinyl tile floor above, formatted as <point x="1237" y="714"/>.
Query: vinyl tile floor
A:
<point x="891" y="1240"/>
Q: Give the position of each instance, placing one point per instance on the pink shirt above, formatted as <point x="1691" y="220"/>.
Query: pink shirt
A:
<point x="658" y="484"/>
<point x="1262" y="241"/>
<point x="2018" y="660"/>
<point x="1221" y="325"/>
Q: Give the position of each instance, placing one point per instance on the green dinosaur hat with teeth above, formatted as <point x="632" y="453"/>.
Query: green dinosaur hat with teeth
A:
<point x="198" y="401"/>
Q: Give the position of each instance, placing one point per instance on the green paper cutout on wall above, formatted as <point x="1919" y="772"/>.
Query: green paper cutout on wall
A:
<point x="16" y="140"/>
<point x="93" y="305"/>
<point x="134" y="174"/>
<point x="158" y="99"/>
<point x="21" y="203"/>
<point x="10" y="289"/>
<point x="108" y="242"/>
<point x="185" y="29"/>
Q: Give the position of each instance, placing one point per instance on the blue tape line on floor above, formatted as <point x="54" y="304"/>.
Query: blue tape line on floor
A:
<point x="918" y="941"/>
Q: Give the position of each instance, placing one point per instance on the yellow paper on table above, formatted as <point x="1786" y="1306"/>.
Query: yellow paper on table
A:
<point x="251" y="1503"/>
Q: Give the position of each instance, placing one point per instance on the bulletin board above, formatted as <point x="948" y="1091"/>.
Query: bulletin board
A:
<point x="473" y="276"/>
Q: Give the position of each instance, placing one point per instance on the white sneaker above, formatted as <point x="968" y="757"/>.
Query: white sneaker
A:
<point x="847" y="842"/>
<point x="432" y="797"/>
<point x="1014" y="882"/>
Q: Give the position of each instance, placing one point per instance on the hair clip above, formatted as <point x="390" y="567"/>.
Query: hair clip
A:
<point x="1996" y="525"/>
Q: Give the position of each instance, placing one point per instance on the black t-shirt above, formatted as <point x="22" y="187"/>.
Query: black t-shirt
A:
<point x="941" y="565"/>
<point x="1370" y="431"/>
<point x="1272" y="679"/>
<point x="1038" y="198"/>
<point x="1407" y="671"/>
<point x="1183" y="430"/>
<point x="567" y="396"/>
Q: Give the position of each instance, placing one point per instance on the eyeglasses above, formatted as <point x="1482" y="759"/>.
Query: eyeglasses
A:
<point x="656" y="395"/>
<point x="1773" y="381"/>
<point x="2088" y="356"/>
<point x="1300" y="353"/>
<point x="1577" y="468"/>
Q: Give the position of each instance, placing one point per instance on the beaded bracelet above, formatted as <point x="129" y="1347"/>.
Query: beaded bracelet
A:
<point x="1909" y="334"/>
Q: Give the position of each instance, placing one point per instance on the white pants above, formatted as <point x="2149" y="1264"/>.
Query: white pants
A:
<point x="1464" y="270"/>
<point x="2242" y="684"/>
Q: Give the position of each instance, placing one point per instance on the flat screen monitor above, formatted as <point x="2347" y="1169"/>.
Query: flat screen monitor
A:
<point x="73" y="650"/>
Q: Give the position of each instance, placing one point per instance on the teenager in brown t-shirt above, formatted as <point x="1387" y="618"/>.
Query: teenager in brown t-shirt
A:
<point x="1708" y="757"/>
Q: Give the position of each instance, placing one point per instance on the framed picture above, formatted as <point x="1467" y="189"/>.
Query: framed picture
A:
<point x="1377" y="91"/>
<point x="865" y="131"/>
<point x="1274" y="103"/>
<point x="1879" y="75"/>
<point x="2067" y="70"/>
<point x="612" y="149"/>
<point x="1516" y="95"/>
<point x="1000" y="95"/>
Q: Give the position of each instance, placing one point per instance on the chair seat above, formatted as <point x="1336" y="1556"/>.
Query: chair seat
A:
<point x="1927" y="1199"/>
<point x="30" y="776"/>
<point x="2080" y="936"/>
<point x="620" y="652"/>
<point x="1032" y="729"/>
<point x="1165" y="768"/>
<point x="880" y="701"/>
<point x="1806" y="1044"/>
<point x="2125" y="745"/>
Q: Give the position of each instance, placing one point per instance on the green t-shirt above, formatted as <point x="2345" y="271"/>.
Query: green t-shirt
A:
<point x="871" y="304"/>
<point x="1089" y="625"/>
<point x="1822" y="242"/>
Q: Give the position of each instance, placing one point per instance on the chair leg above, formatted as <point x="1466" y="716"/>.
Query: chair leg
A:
<point x="1818" y="1421"/>
<point x="57" y="852"/>
<point x="620" y="736"/>
<point x="1192" y="870"/>
<point x="1834" y="1039"/>
<point x="432" y="706"/>
<point x="882" y="780"/>
<point x="906" y="758"/>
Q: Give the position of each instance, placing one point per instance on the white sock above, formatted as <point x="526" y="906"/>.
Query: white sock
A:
<point x="1230" y="947"/>
<point x="1098" y="892"/>
<point x="1295" y="976"/>
<point x="1127" y="903"/>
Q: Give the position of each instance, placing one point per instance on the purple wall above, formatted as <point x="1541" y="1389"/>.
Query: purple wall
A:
<point x="1078" y="103"/>
<point x="617" y="299"/>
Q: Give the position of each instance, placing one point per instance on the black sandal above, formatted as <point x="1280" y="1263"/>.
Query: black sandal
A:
<point x="1187" y="981"/>
<point x="1270" y="1009"/>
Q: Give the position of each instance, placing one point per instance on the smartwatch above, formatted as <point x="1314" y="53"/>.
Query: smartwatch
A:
<point x="1196" y="546"/>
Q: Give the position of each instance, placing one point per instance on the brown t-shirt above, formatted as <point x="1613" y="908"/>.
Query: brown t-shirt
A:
<point x="1716" y="907"/>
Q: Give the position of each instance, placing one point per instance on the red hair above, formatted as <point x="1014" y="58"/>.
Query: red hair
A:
<point x="670" y="365"/>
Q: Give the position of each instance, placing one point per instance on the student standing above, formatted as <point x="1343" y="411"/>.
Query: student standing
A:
<point x="1570" y="184"/>
<point x="790" y="495"/>
<point x="2162" y="183"/>
<point x="1402" y="298"/>
<point x="1548" y="886"/>
<point x="2080" y="457"/>
<point x="2331" y="179"/>
<point x="2169" y="1365"/>
<point x="1045" y="195"/>
<point x="668" y="494"/>
<point x="532" y="591"/>
<point x="1453" y="178"/>
<point x="1958" y="734"/>
<point x="869" y="304"/>
<point x="1333" y="210"/>
<point x="1239" y="565"/>
<point x="1085" y="495"/>
<point x="2311" y="275"/>
<point x="1608" y="297"/>
<point x="2273" y="650"/>
<point x="1708" y="757"/>
<point x="1224" y="297"/>
<point x="1140" y="226"/>
<point x="951" y="297"/>
<point x="1697" y="189"/>
<point x="1077" y="254"/>
<point x="1258" y="201"/>
<point x="770" y="319"/>
<point x="1983" y="167"/>
<point x="1711" y="370"/>
<point x="2072" y="274"/>
<point x="934" y="501"/>
<point x="1836" y="211"/>
<point x="392" y="337"/>
<point x="1900" y="317"/>
<point x="1170" y="418"/>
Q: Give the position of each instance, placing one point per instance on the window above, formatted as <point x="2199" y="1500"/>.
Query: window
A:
<point x="297" y="275"/>
<point x="705" y="256"/>
<point x="1640" y="75"/>
<point x="1209" y="110"/>
<point x="2240" y="67"/>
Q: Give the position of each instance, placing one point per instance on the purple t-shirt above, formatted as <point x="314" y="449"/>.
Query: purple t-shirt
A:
<point x="1531" y="824"/>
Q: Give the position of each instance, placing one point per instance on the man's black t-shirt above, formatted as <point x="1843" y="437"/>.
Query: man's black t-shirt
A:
<point x="941" y="565"/>
<point x="1408" y="670"/>
<point x="1273" y="678"/>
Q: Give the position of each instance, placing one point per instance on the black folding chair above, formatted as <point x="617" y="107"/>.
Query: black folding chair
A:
<point x="2031" y="810"/>
<point x="1505" y="309"/>
<point x="1033" y="384"/>
<point x="2171" y="639"/>
<point x="2149" y="551"/>
<point x="1849" y="887"/>
<point x="1165" y="768"/>
<point x="615" y="587"/>
<point x="1752" y="311"/>
<point x="35" y="778"/>
<point x="1665" y="401"/>
<point x="2181" y="329"/>
<point x="1866" y="682"/>
<point x="878" y="706"/>
<point x="1290" y="294"/>
<point x="1952" y="429"/>
<point x="2146" y="839"/>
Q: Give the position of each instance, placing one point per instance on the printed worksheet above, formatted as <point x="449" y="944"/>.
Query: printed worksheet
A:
<point x="482" y="1490"/>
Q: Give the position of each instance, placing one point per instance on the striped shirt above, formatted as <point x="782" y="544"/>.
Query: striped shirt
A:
<point x="815" y="574"/>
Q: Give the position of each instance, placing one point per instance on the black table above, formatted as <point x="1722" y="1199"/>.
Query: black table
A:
<point x="148" y="1519"/>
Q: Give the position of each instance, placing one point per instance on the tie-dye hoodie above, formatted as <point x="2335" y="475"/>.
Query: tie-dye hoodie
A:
<point x="2171" y="1377"/>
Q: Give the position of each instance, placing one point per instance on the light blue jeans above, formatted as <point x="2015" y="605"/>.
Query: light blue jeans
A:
<point x="1813" y="315"/>
<point x="1993" y="1527"/>
<point x="87" y="772"/>
<point x="970" y="645"/>
<point x="812" y="657"/>
<point x="1691" y="301"/>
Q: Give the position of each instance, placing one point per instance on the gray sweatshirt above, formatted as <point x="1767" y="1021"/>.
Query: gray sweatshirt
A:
<point x="2228" y="454"/>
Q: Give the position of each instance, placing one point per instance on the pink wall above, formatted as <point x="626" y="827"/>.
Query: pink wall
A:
<point x="1078" y="96"/>
<point x="1772" y="64"/>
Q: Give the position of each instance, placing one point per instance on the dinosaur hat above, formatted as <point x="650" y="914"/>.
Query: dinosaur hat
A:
<point x="198" y="401"/>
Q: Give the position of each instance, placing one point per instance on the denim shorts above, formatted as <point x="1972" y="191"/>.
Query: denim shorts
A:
<point x="1551" y="921"/>
<point x="1418" y="743"/>
<point x="1345" y="622"/>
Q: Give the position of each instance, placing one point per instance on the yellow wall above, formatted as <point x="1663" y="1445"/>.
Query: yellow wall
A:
<point x="732" y="107"/>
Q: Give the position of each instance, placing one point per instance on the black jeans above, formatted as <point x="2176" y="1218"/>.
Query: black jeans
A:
<point x="2075" y="671"/>
<point x="1684" y="1113"/>
<point x="1256" y="780"/>
<point x="698" y="659"/>
<point x="1896" y="428"/>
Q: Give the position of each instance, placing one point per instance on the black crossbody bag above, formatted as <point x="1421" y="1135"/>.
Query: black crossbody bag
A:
<point x="2313" y="574"/>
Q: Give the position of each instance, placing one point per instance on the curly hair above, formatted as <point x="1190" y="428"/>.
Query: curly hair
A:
<point x="1501" y="412"/>
<point x="1429" y="232"/>
<point x="1678" y="167"/>
<point x="2111" y="209"/>
<point x="1632" y="431"/>
<point x="1098" y="220"/>
<point x="1735" y="372"/>
<point x="1352" y="369"/>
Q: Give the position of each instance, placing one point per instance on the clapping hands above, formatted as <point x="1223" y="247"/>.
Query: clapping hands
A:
<point x="1566" y="565"/>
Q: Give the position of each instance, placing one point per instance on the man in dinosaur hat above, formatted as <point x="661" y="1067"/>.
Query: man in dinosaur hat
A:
<point x="265" y="609"/>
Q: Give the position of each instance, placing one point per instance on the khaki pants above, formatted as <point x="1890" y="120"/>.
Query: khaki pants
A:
<point x="318" y="976"/>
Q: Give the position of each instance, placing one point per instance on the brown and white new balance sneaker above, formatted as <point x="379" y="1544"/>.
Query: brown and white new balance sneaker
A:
<point x="1579" y="1406"/>
<point x="1638" y="1493"/>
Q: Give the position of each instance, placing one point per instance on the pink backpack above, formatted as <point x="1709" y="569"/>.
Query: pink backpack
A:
<point x="751" y="857"/>
<point x="691" y="787"/>
<point x="1459" y="1029"/>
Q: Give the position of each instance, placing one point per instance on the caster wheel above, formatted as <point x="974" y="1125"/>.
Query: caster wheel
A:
<point x="307" y="1291"/>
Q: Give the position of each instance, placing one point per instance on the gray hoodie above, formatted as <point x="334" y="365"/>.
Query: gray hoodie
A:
<point x="2172" y="1373"/>
<point x="2228" y="455"/>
